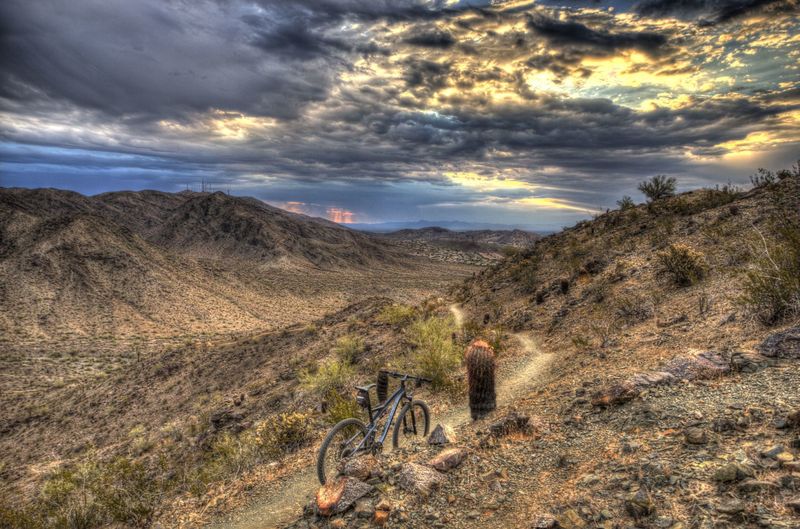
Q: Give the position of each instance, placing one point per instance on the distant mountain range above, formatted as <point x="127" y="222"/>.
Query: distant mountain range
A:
<point x="454" y="225"/>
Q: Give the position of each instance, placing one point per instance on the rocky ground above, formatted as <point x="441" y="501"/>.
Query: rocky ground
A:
<point x="708" y="449"/>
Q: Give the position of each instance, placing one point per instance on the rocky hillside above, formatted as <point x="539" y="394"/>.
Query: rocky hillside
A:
<point x="479" y="247"/>
<point x="647" y="377"/>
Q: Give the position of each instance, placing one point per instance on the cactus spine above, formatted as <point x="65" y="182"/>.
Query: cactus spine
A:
<point x="480" y="378"/>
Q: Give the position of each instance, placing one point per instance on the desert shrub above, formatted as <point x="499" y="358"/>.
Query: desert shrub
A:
<point x="525" y="274"/>
<point x="626" y="203"/>
<point x="232" y="454"/>
<point x="683" y="264"/>
<point x="435" y="355"/>
<point x="771" y="288"/>
<point x="597" y="291"/>
<point x="331" y="375"/>
<point x="341" y="407"/>
<point x="91" y="494"/>
<point x="658" y="187"/>
<point x="763" y="178"/>
<point x="633" y="308"/>
<point x="397" y="314"/>
<point x="348" y="348"/>
<point x="581" y="342"/>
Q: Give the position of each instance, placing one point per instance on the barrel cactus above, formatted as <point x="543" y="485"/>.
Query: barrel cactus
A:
<point x="480" y="378"/>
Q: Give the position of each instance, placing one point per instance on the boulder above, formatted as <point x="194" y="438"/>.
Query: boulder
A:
<point x="442" y="434"/>
<point x="362" y="467"/>
<point x="784" y="344"/>
<point x="420" y="479"/>
<point x="616" y="394"/>
<point x="337" y="496"/>
<point x="448" y="459"/>
<point x="705" y="365"/>
<point x="643" y="381"/>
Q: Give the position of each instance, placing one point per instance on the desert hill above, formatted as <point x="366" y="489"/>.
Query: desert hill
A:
<point x="473" y="246"/>
<point x="646" y="350"/>
<point x="163" y="264"/>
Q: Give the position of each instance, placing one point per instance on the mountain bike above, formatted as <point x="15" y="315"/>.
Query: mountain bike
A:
<point x="351" y="437"/>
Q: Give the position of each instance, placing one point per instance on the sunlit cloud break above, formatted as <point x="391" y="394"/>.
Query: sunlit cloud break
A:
<point x="535" y="113"/>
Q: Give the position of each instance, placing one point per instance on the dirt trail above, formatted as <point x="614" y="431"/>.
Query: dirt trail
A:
<point x="280" y="506"/>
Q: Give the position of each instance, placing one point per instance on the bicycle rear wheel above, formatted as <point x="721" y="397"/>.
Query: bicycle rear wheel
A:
<point x="412" y="423"/>
<point x="339" y="444"/>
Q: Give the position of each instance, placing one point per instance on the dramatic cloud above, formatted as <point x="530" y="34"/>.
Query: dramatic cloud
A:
<point x="522" y="112"/>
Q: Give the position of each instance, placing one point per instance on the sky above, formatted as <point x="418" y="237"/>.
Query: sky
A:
<point x="535" y="113"/>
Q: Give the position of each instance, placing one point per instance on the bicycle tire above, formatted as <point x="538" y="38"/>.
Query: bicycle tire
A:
<point x="426" y="413"/>
<point x="329" y="438"/>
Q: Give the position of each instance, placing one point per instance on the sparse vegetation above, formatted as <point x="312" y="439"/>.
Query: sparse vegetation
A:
<point x="397" y="314"/>
<point x="331" y="375"/>
<point x="658" y="187"/>
<point x="347" y="348"/>
<point x="772" y="283"/>
<point x="435" y="354"/>
<point x="683" y="264"/>
<point x="626" y="203"/>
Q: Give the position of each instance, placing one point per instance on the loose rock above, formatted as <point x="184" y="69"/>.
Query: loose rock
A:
<point x="420" y="479"/>
<point x="337" y="496"/>
<point x="785" y="344"/>
<point x="442" y="434"/>
<point x="448" y="459"/>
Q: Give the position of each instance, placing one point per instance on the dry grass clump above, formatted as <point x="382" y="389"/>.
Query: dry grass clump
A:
<point x="435" y="356"/>
<point x="683" y="264"/>
<point x="771" y="288"/>
<point x="397" y="314"/>
<point x="332" y="375"/>
<point x="348" y="348"/>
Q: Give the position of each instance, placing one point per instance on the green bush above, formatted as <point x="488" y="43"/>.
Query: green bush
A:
<point x="332" y="375"/>
<point x="348" y="348"/>
<point x="685" y="265"/>
<point x="341" y="407"/>
<point x="397" y="314"/>
<point x="435" y="354"/>
<point x="658" y="187"/>
<point x="626" y="203"/>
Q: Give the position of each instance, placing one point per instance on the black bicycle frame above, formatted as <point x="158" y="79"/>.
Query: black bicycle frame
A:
<point x="377" y="413"/>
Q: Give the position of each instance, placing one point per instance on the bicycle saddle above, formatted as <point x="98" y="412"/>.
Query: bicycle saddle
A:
<point x="365" y="388"/>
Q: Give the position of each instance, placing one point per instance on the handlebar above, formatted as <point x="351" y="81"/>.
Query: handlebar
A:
<point x="405" y="376"/>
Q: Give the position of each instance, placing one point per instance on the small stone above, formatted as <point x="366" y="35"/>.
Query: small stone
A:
<point x="731" y="506"/>
<point x="696" y="436"/>
<point x="784" y="457"/>
<point x="442" y="434"/>
<point x="338" y="523"/>
<point x="791" y="481"/>
<point x="363" y="508"/>
<point x="384" y="505"/>
<point x="381" y="517"/>
<point x="448" y="459"/>
<point x="773" y="452"/>
<point x="732" y="472"/>
<point x="570" y="519"/>
<point x="640" y="504"/>
<point x="451" y="498"/>
<point x="545" y="522"/>
<point x="793" y="419"/>
<point x="588" y="480"/>
<point x="755" y="485"/>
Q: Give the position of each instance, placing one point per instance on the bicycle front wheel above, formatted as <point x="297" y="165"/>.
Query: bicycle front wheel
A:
<point x="339" y="444"/>
<point x="412" y="423"/>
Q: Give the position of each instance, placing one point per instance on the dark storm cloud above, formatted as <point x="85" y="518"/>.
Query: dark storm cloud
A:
<point x="357" y="99"/>
<point x="709" y="12"/>
<point x="574" y="33"/>
<point x="431" y="39"/>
